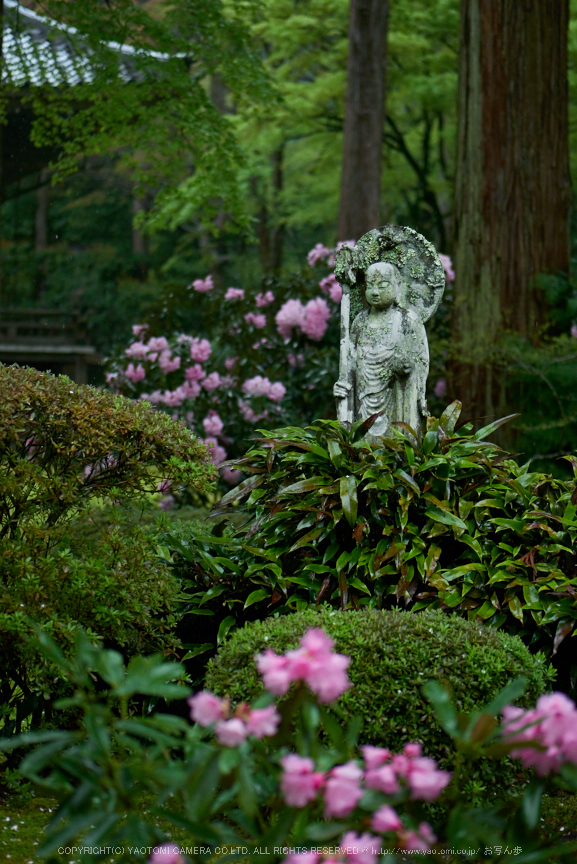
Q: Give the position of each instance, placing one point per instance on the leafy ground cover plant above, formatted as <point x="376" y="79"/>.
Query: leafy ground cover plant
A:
<point x="447" y="521"/>
<point x="263" y="784"/>
<point x="65" y="448"/>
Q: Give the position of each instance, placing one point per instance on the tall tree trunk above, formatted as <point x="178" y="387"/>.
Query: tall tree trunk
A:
<point x="512" y="194"/>
<point x="364" y="119"/>
<point x="270" y="231"/>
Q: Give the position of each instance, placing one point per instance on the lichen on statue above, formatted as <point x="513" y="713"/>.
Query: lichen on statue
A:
<point x="384" y="351"/>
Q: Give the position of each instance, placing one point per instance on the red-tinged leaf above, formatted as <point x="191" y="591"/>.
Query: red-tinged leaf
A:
<point x="563" y="629"/>
<point x="237" y="493"/>
<point x="275" y="597"/>
<point x="325" y="584"/>
<point x="308" y="485"/>
<point x="574" y="496"/>
<point x="358" y="532"/>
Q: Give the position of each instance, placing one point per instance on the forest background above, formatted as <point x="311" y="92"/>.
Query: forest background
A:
<point x="230" y="162"/>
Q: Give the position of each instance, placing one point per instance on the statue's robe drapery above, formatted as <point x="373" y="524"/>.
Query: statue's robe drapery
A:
<point x="390" y="359"/>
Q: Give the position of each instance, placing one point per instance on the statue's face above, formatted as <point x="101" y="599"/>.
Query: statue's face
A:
<point x="382" y="285"/>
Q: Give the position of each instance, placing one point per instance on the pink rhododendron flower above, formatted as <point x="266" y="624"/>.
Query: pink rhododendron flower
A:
<point x="257" y="386"/>
<point x="194" y="373"/>
<point x="174" y="398"/>
<point x="384" y="779"/>
<point x="200" y="350"/>
<point x="551" y="725"/>
<point x="299" y="783"/>
<point x="426" y="781"/>
<point x="291" y="314"/>
<point x="154" y="398"/>
<point x="230" y="362"/>
<point x="211" y="382"/>
<point x="276" y="392"/>
<point x="440" y="388"/>
<point x="413" y="749"/>
<point x="375" y="756"/>
<point x="419" y="841"/>
<point x="138" y="330"/>
<point x="263" y="722"/>
<point x="110" y="376"/>
<point x="263" y="300"/>
<point x="315" y="323"/>
<point x="212" y="423"/>
<point x="386" y="819"/>
<point x="230" y="475"/>
<point x="302" y="858"/>
<point x="138" y="351"/>
<point x="257" y="321"/>
<point x="231" y="733"/>
<point x="234" y="294"/>
<point x="167" y="502"/>
<point x="574" y="331"/>
<point x="168" y="853"/>
<point x="206" y="708"/>
<point x="216" y="452"/>
<point x="447" y="267"/>
<point x="135" y="375"/>
<point x="157" y="343"/>
<point x="295" y="359"/>
<point x="317" y="253"/>
<point x="361" y="848"/>
<point x="164" y="486"/>
<point x="342" y="790"/>
<point x="330" y="286"/>
<point x="275" y="671"/>
<point x="191" y="389"/>
<point x="203" y="285"/>
<point x="227" y="382"/>
<point x="168" y="363"/>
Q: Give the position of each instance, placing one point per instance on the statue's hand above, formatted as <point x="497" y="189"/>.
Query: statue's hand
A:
<point x="341" y="389"/>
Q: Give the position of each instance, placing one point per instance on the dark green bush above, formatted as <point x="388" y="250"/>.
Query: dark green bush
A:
<point x="447" y="520"/>
<point x="392" y="655"/>
<point x="65" y="449"/>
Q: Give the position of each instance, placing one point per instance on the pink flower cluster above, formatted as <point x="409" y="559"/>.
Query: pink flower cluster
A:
<point x="207" y="709"/>
<point x="311" y="319"/>
<point x="203" y="285"/>
<point x="313" y="662"/>
<point x="389" y="772"/>
<point x="330" y="286"/>
<point x="265" y="299"/>
<point x="168" y="853"/>
<point x="234" y="294"/>
<point x="447" y="267"/>
<point x="257" y="321"/>
<point x="550" y="729"/>
<point x="261" y="386"/>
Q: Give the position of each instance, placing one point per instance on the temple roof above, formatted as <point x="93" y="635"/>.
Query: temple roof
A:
<point x="37" y="50"/>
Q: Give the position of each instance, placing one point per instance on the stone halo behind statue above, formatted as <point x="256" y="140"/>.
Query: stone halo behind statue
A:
<point x="384" y="358"/>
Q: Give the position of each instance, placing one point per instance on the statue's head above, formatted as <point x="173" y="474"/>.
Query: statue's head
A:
<point x="383" y="285"/>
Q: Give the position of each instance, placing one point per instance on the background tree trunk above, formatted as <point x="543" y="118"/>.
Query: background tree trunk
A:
<point x="513" y="192"/>
<point x="364" y="119"/>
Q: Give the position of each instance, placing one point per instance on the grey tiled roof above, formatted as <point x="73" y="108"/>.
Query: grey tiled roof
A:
<point x="38" y="50"/>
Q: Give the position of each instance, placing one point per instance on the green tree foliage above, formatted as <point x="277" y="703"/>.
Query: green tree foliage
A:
<point x="65" y="449"/>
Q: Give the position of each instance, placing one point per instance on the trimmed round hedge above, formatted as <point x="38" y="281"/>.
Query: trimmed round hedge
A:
<point x="392" y="655"/>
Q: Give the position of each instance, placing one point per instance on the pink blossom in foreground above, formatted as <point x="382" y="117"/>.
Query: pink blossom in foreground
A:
<point x="440" y="388"/>
<point x="574" y="331"/>
<point x="317" y="253"/>
<point x="135" y="375"/>
<point x="375" y="756"/>
<point x="418" y="841"/>
<point x="138" y="330"/>
<point x="138" y="351"/>
<point x="299" y="783"/>
<point x="361" y="848"/>
<point x="447" y="267"/>
<point x="291" y="314"/>
<point x="168" y="853"/>
<point x="231" y="733"/>
<point x="386" y="819"/>
<point x="168" y="363"/>
<point x="330" y="286"/>
<point x="342" y="790"/>
<point x="200" y="350"/>
<point x="257" y="321"/>
<point x="426" y="781"/>
<point x="275" y="671"/>
<point x="212" y="423"/>
<point x="317" y="314"/>
<point x="203" y="285"/>
<point x="263" y="300"/>
<point x="551" y="725"/>
<point x="384" y="779"/>
<point x="211" y="382"/>
<point x="302" y="858"/>
<point x="234" y="294"/>
<point x="263" y="722"/>
<point x="194" y="373"/>
<point x="215" y="451"/>
<point x="206" y="708"/>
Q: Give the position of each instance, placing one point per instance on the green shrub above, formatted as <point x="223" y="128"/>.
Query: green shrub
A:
<point x="446" y="520"/>
<point x="65" y="449"/>
<point x="392" y="655"/>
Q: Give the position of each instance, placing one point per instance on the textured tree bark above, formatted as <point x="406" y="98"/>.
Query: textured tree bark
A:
<point x="513" y="194"/>
<point x="364" y="119"/>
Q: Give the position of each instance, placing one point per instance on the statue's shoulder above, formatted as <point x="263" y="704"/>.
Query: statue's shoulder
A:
<point x="359" y="321"/>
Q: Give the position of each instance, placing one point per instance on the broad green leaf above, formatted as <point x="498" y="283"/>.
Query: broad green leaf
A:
<point x="224" y="628"/>
<point x="445" y="517"/>
<point x="308" y="538"/>
<point x="308" y="485"/>
<point x="255" y="596"/>
<point x="348" y="492"/>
